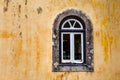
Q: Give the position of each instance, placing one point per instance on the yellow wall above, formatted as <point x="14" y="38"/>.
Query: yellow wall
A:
<point x="26" y="39"/>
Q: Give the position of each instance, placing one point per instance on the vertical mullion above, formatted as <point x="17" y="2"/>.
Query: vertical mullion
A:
<point x="62" y="47"/>
<point x="72" y="47"/>
<point x="82" y="46"/>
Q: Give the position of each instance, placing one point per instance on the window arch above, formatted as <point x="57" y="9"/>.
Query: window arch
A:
<point x="72" y="33"/>
<point x="72" y="24"/>
<point x="72" y="42"/>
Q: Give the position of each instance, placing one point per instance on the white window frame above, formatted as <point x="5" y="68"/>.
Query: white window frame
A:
<point x="72" y="27"/>
<point x="72" y="60"/>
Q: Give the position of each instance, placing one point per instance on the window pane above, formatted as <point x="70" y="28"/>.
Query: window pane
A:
<point x="72" y="22"/>
<point x="77" y="25"/>
<point x="66" y="25"/>
<point x="66" y="46"/>
<point x="77" y="46"/>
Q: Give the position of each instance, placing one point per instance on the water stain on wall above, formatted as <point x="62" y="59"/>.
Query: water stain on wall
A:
<point x="61" y="76"/>
<point x="106" y="33"/>
<point x="108" y="40"/>
<point x="6" y="34"/>
<point x="30" y="58"/>
<point x="17" y="51"/>
<point x="37" y="55"/>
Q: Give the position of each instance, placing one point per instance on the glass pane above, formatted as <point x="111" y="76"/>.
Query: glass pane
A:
<point x="77" y="25"/>
<point x="66" y="46"/>
<point x="66" y="25"/>
<point x="77" y="46"/>
<point x="72" y="22"/>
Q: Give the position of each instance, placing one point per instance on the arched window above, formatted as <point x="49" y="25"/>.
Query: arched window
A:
<point x="72" y="42"/>
<point x="72" y="33"/>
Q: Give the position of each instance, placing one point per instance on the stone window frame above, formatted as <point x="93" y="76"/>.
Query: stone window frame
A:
<point x="88" y="65"/>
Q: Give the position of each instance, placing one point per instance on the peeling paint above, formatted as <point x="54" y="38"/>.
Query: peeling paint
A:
<point x="19" y="8"/>
<point x="5" y="9"/>
<point x="25" y="2"/>
<point x="20" y="34"/>
<point x="39" y="10"/>
<point x="26" y="16"/>
<point x="6" y="5"/>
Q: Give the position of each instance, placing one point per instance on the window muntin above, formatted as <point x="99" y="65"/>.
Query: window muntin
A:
<point x="70" y="49"/>
<point x="72" y="24"/>
<point x="72" y="41"/>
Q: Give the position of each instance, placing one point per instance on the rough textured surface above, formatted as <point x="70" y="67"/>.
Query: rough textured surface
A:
<point x="26" y="39"/>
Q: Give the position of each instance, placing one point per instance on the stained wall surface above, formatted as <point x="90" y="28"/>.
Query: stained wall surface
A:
<point x="26" y="39"/>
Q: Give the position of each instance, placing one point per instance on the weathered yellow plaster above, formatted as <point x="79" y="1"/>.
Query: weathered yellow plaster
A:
<point x="26" y="39"/>
<point x="5" y="34"/>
